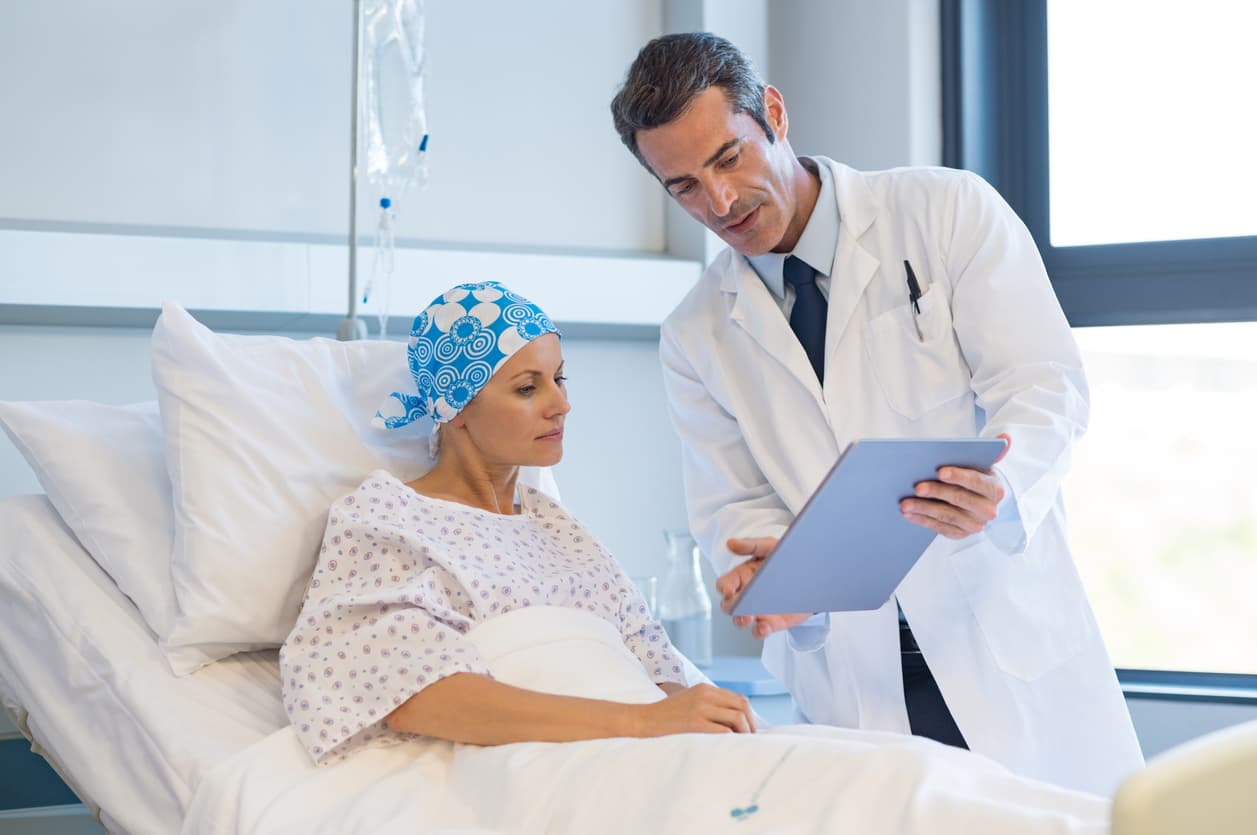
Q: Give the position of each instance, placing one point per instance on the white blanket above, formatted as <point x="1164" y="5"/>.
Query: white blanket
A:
<point x="798" y="779"/>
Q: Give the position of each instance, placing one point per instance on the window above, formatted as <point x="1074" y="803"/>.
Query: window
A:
<point x="1123" y="134"/>
<point x="1162" y="494"/>
<point x="1152" y="127"/>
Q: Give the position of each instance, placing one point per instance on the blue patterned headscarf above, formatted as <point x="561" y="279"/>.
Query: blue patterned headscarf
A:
<point x="456" y="345"/>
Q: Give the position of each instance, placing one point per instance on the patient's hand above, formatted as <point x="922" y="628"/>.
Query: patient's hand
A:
<point x="703" y="708"/>
<point x="730" y="584"/>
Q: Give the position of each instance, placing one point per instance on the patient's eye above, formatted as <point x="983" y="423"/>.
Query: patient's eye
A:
<point x="527" y="391"/>
<point x="561" y="379"/>
<point x="730" y="161"/>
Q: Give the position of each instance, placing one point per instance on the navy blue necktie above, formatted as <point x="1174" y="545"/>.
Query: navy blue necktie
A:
<point x="807" y="317"/>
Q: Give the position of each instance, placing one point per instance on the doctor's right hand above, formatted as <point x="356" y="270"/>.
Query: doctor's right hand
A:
<point x="731" y="584"/>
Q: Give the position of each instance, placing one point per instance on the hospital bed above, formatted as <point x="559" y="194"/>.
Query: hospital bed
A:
<point x="84" y="678"/>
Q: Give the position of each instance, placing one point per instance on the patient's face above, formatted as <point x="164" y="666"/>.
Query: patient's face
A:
<point x="517" y="418"/>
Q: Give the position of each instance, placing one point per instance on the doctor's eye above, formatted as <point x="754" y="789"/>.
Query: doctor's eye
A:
<point x="731" y="160"/>
<point x="560" y="380"/>
<point x="683" y="188"/>
<point x="526" y="391"/>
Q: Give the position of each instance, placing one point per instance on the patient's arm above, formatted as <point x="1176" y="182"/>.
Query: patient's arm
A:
<point x="472" y="708"/>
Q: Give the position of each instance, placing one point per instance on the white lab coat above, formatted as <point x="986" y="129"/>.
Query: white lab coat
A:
<point x="1001" y="616"/>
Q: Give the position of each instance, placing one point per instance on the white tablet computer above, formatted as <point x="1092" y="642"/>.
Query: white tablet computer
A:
<point x="850" y="546"/>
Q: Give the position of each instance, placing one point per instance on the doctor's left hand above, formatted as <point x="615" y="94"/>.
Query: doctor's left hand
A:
<point x="731" y="583"/>
<point x="961" y="503"/>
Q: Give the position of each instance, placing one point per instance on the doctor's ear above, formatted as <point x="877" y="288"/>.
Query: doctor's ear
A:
<point x="775" y="112"/>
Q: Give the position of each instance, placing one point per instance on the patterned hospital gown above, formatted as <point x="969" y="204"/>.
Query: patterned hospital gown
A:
<point x="402" y="577"/>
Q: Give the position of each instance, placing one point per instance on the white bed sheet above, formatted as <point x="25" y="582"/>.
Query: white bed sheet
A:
<point x="801" y="779"/>
<point x="78" y="659"/>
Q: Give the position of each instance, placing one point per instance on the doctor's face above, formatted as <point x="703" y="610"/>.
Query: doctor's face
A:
<point x="517" y="418"/>
<point x="725" y="173"/>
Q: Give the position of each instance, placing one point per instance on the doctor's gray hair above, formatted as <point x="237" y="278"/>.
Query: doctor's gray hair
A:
<point x="670" y="71"/>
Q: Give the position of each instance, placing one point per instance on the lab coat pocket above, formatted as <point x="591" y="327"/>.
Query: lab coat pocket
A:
<point x="1031" y="611"/>
<point x="917" y="373"/>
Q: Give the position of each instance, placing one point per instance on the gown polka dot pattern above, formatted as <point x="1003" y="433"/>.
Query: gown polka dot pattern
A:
<point x="402" y="577"/>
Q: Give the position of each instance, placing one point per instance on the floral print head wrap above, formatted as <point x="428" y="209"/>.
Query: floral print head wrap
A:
<point x="456" y="344"/>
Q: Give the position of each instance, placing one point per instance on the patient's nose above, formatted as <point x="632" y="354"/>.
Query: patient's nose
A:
<point x="559" y="405"/>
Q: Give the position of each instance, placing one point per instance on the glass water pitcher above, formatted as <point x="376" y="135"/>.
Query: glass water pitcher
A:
<point x="684" y="605"/>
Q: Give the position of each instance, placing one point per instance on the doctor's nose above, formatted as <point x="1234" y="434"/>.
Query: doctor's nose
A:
<point x="721" y="198"/>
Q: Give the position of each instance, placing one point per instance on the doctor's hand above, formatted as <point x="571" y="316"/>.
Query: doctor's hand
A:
<point x="961" y="503"/>
<point x="729" y="585"/>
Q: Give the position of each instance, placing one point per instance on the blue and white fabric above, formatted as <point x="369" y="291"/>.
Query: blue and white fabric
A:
<point x="456" y="345"/>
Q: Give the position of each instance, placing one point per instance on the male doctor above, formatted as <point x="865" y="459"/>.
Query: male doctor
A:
<point x="809" y="332"/>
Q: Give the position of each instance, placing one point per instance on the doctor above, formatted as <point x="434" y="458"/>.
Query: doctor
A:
<point x="806" y="334"/>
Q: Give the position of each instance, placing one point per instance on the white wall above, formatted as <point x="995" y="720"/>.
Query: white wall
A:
<point x="233" y="116"/>
<point x="860" y="80"/>
<point x="1162" y="723"/>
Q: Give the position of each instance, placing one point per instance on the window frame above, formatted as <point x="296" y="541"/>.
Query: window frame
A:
<point x="1184" y="686"/>
<point x="994" y="76"/>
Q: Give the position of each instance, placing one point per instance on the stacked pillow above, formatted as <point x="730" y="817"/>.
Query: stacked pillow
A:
<point x="104" y="470"/>
<point x="208" y="507"/>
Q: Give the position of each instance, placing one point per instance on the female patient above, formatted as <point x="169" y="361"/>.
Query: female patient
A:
<point x="407" y="569"/>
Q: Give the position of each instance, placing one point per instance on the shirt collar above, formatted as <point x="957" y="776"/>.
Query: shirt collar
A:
<point x="817" y="244"/>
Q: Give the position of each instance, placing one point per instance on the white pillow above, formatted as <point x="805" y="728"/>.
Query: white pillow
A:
<point x="262" y="434"/>
<point x="104" y="470"/>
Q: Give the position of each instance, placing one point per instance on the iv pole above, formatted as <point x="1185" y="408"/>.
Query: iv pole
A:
<point x="351" y="327"/>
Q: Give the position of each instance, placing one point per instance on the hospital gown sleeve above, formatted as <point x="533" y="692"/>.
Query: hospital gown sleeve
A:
<point x="1027" y="372"/>
<point x="363" y="643"/>
<point x="645" y="637"/>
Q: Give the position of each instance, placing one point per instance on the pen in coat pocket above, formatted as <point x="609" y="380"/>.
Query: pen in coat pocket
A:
<point x="914" y="295"/>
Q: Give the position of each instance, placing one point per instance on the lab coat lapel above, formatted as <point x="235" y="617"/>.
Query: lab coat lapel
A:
<point x="854" y="266"/>
<point x="756" y="311"/>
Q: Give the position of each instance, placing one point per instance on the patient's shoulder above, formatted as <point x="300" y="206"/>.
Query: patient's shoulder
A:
<point x="560" y="524"/>
<point x="532" y="497"/>
<point x="381" y="490"/>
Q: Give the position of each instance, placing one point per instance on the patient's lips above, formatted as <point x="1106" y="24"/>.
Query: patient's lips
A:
<point x="554" y="435"/>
